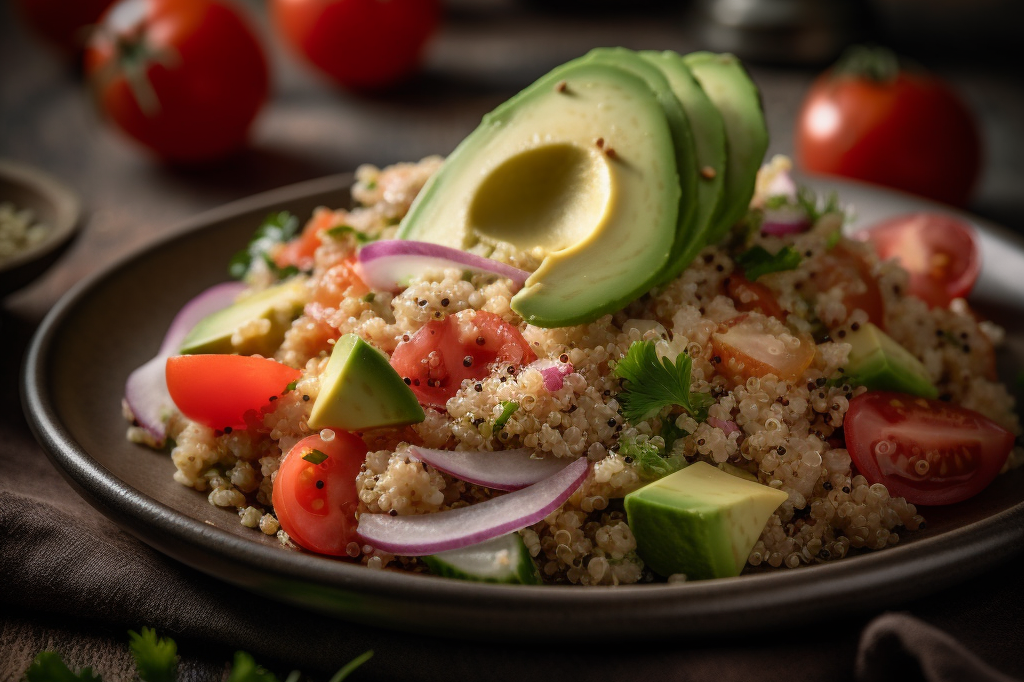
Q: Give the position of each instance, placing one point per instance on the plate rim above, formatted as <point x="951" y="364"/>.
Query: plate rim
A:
<point x="710" y="607"/>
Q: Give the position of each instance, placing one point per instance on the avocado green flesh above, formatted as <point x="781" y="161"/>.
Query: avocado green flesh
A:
<point x="360" y="390"/>
<point x="699" y="521"/>
<point x="503" y="559"/>
<point x="684" y="137"/>
<point x="727" y="85"/>
<point x="879" y="363"/>
<point x="533" y="175"/>
<point x="709" y="156"/>
<point x="280" y="304"/>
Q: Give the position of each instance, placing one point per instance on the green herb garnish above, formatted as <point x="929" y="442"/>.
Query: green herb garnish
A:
<point x="368" y="298"/>
<point x="808" y="201"/>
<point x="833" y="240"/>
<point x="649" y="461"/>
<point x="156" y="660"/>
<point x="655" y="383"/>
<point x="508" y="408"/>
<point x="339" y="231"/>
<point x="276" y="228"/>
<point x="290" y="387"/>
<point x="757" y="261"/>
<point x="314" y="456"/>
<point x="670" y="433"/>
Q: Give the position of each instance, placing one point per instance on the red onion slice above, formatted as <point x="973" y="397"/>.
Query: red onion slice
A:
<point x="146" y="388"/>
<point x="554" y="373"/>
<point x="389" y="265"/>
<point x="422" y="534"/>
<point x="785" y="220"/>
<point x="501" y="470"/>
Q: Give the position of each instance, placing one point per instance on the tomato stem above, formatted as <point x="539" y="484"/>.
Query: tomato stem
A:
<point x="873" y="62"/>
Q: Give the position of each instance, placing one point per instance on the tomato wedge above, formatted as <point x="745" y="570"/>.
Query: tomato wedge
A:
<point x="938" y="250"/>
<point x="443" y="353"/>
<point x="315" y="495"/>
<point x="745" y="349"/>
<point x="752" y="297"/>
<point x="219" y="390"/>
<point x="927" y="451"/>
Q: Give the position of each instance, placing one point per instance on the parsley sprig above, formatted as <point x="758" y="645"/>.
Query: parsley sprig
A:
<point x="654" y="383"/>
<point x="156" y="660"/>
<point x="650" y="462"/>
<point x="276" y="228"/>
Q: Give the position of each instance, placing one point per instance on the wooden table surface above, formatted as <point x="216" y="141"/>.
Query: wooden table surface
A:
<point x="485" y="52"/>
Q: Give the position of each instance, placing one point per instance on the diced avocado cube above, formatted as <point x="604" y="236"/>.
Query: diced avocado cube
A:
<point x="879" y="363"/>
<point x="279" y="305"/>
<point x="699" y="521"/>
<point x="360" y="390"/>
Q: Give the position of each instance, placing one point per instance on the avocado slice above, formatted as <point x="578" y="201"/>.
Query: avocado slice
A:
<point x="700" y="521"/>
<point x="280" y="304"/>
<point x="360" y="390"/>
<point x="879" y="363"/>
<point x="709" y="157"/>
<point x="580" y="167"/>
<point x="684" y="137"/>
<point x="728" y="86"/>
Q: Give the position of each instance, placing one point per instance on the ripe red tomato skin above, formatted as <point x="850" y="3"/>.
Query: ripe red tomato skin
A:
<point x="915" y="239"/>
<point x="327" y="526"/>
<point x="360" y="44"/>
<point x="843" y="266"/>
<point x="219" y="390"/>
<point x="213" y="84"/>
<point x="913" y="134"/>
<point x="907" y="421"/>
<point x="449" y="342"/>
<point x="762" y="300"/>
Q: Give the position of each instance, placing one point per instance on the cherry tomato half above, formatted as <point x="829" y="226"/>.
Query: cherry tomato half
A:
<point x="185" y="78"/>
<point x="892" y="127"/>
<point x="361" y="44"/>
<point x="315" y="496"/>
<point x="219" y="390"/>
<point x="927" y="451"/>
<point x="939" y="251"/>
<point x="753" y="297"/>
<point x="443" y="353"/>
<point x="745" y="349"/>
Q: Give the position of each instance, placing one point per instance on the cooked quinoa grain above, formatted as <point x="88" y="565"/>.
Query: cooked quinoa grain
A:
<point x="785" y="431"/>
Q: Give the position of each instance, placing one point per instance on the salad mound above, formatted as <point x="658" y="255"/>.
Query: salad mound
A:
<point x="384" y="401"/>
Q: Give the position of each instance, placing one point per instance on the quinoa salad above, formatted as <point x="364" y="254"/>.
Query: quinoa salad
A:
<point x="576" y="392"/>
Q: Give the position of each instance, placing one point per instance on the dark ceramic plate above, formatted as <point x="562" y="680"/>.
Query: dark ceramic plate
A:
<point x="51" y="203"/>
<point x="106" y="327"/>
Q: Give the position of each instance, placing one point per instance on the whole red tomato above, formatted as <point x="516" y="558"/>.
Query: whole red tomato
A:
<point x="361" y="44"/>
<point x="869" y="119"/>
<point x="185" y="78"/>
<point x="65" y="25"/>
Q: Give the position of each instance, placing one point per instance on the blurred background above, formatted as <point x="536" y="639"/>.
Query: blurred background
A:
<point x="480" y="53"/>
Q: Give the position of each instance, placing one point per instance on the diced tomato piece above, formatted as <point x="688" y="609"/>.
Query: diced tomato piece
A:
<point x="746" y="350"/>
<point x="219" y="390"/>
<point x="751" y="297"/>
<point x="443" y="353"/>
<point x="844" y="268"/>
<point x="315" y="495"/>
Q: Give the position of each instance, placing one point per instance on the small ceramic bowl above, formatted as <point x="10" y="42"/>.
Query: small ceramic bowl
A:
<point x="52" y="203"/>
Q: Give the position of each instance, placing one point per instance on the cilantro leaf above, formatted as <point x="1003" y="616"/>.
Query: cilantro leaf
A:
<point x="156" y="658"/>
<point x="314" y="456"/>
<point x="657" y="383"/>
<point x="276" y="228"/>
<point x="48" y="666"/>
<point x="671" y="433"/>
<point x="648" y="459"/>
<point x="757" y="261"/>
<point x="508" y="408"/>
<point x="245" y="669"/>
<point x="338" y="232"/>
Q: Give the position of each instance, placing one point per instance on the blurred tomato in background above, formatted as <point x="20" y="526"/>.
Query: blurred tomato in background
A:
<point x="360" y="44"/>
<point x="872" y="119"/>
<point x="185" y="78"/>
<point x="64" y="25"/>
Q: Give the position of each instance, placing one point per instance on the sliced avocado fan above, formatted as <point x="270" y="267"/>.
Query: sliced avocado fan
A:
<point x="708" y="161"/>
<point x="727" y="85"/>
